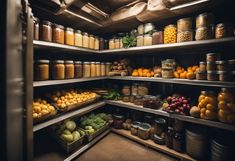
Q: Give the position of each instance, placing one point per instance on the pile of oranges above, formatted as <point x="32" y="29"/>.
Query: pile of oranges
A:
<point x="142" y="72"/>
<point x="190" y="73"/>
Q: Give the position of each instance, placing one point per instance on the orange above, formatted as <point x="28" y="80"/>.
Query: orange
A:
<point x="145" y="70"/>
<point x="210" y="107"/>
<point x="152" y="73"/>
<point x="183" y="75"/>
<point x="176" y="75"/>
<point x="135" y="74"/>
<point x="210" y="100"/>
<point x="222" y="105"/>
<point x="200" y="98"/>
<point x="191" y="75"/>
<point x="210" y="114"/>
<point x="202" y="110"/>
<point x="148" y="74"/>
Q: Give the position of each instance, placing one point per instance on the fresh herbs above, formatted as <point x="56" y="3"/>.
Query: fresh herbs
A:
<point x="129" y="41"/>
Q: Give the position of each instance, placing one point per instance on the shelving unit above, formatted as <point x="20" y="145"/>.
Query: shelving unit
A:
<point x="151" y="144"/>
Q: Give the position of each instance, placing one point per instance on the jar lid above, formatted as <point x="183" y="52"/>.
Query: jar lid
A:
<point x="144" y="126"/>
<point x="211" y="72"/>
<point x="231" y="61"/>
<point x="102" y="63"/>
<point x="85" y="34"/>
<point x="78" y="31"/>
<point x="135" y="124"/>
<point x="221" y="62"/>
<point x="69" y="29"/>
<point x="97" y="62"/>
<point x="42" y="61"/>
<point x="211" y="54"/>
<point x="57" y="26"/>
<point x="112" y="39"/>
<point x="92" y="62"/>
<point x="68" y="62"/>
<point x="223" y="25"/>
<point x="171" y="25"/>
<point x="101" y="39"/>
<point x="202" y="63"/>
<point x="108" y="63"/>
<point x="185" y="19"/>
<point x="77" y="62"/>
<point x="148" y="116"/>
<point x="86" y="62"/>
<point x="205" y="14"/>
<point x="58" y="61"/>
<point x="46" y="23"/>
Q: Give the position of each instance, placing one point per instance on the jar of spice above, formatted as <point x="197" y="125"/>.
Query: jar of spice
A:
<point x="184" y="24"/>
<point x="212" y="76"/>
<point x="69" y="36"/>
<point x="118" y="120"/>
<point x="117" y="43"/>
<point x="78" y="38"/>
<point x="148" y="39"/>
<point x="46" y="31"/>
<point x="101" y="44"/>
<point x="107" y="68"/>
<point x="204" y="20"/>
<point x="167" y="73"/>
<point x="202" y="66"/>
<point x="85" y="40"/>
<point x="41" y="68"/>
<point x="58" y="34"/>
<point x="97" y="43"/>
<point x="93" y="69"/>
<point x="78" y="69"/>
<point x="204" y="33"/>
<point x="170" y="34"/>
<point x="157" y="37"/>
<point x="102" y="66"/>
<point x="222" y="65"/>
<point x="178" y="142"/>
<point x="98" y="69"/>
<point x="126" y="90"/>
<point x="111" y="44"/>
<point x="91" y="41"/>
<point x="210" y="66"/>
<point x="58" y="69"/>
<point x="69" y="69"/>
<point x="86" y="69"/>
<point x="35" y="28"/>
<point x="169" y="137"/>
<point x="140" y="40"/>
<point x="223" y="30"/>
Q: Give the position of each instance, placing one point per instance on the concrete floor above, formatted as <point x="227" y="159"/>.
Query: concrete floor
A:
<point x="117" y="148"/>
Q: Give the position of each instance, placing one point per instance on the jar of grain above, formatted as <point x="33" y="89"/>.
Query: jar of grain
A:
<point x="111" y="44"/>
<point x="148" y="39"/>
<point x="58" y="34"/>
<point x="102" y="70"/>
<point x="46" y="31"/>
<point x="204" y="33"/>
<point x="91" y="41"/>
<point x="140" y="40"/>
<point x="69" y="36"/>
<point x="69" y="69"/>
<point x="78" y="69"/>
<point x="202" y="66"/>
<point x="170" y="34"/>
<point x="78" y="38"/>
<point x="93" y="69"/>
<point x="223" y="30"/>
<point x="183" y="36"/>
<point x="35" y="28"/>
<point x="41" y="70"/>
<point x="86" y="69"/>
<point x="97" y="43"/>
<point x="98" y="69"/>
<point x="107" y="68"/>
<point x="212" y="57"/>
<point x="184" y="24"/>
<point x="85" y="40"/>
<point x="204" y="20"/>
<point x="58" y="69"/>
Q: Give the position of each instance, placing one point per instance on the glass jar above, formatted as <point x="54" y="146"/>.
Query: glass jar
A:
<point x="204" y="20"/>
<point x="98" y="69"/>
<point x="204" y="33"/>
<point x="183" y="36"/>
<point x="58" y="34"/>
<point x="148" y="39"/>
<point x="46" y="31"/>
<point x="160" y="126"/>
<point x="152" y="102"/>
<point x="140" y="40"/>
<point x="86" y="69"/>
<point x="202" y="66"/>
<point x="134" y="128"/>
<point x="158" y="37"/>
<point x="126" y="90"/>
<point x="102" y="69"/>
<point x="210" y="66"/>
<point x="69" y="69"/>
<point x="91" y="41"/>
<point x="212" y="57"/>
<point x="107" y="68"/>
<point x="212" y="76"/>
<point x="223" y="30"/>
<point x="138" y="100"/>
<point x="167" y="73"/>
<point x="35" y="28"/>
<point x="97" y="43"/>
<point x="116" y="43"/>
<point x="231" y="64"/>
<point x="169" y="137"/>
<point x="144" y="131"/>
<point x="140" y="29"/>
<point x="118" y="120"/>
<point x="41" y="70"/>
<point x="106" y="44"/>
<point x="101" y="44"/>
<point x="224" y="76"/>
<point x="58" y="69"/>
<point x="170" y="34"/>
<point x="121" y="43"/>
<point x="168" y="64"/>
<point x="184" y="24"/>
<point x="69" y="36"/>
<point x="93" y="69"/>
<point x="148" y="27"/>
<point x="111" y="44"/>
<point x="178" y="142"/>
<point x="143" y="90"/>
<point x="78" y="38"/>
<point x="134" y="89"/>
<point x="126" y="98"/>
<point x="78" y="69"/>
<point x="222" y="65"/>
<point x="201" y="75"/>
<point x="85" y="40"/>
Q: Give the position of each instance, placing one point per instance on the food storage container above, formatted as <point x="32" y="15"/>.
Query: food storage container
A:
<point x="69" y="36"/>
<point x="160" y="126"/>
<point x="134" y="89"/>
<point x="85" y="40"/>
<point x="210" y="66"/>
<point x="46" y="31"/>
<point x="134" y="128"/>
<point x="35" y="28"/>
<point x="147" y="39"/>
<point x="58" y="34"/>
<point x="202" y="66"/>
<point x="97" y="43"/>
<point x="98" y="69"/>
<point x="101" y="44"/>
<point x="107" y="68"/>
<point x="143" y="89"/>
<point x="184" y="24"/>
<point x="222" y="65"/>
<point x="168" y="64"/>
<point x="159" y="139"/>
<point x="138" y="100"/>
<point x="41" y="70"/>
<point x="58" y="69"/>
<point x="93" y="69"/>
<point x="223" y="30"/>
<point x="212" y="57"/>
<point x="69" y="69"/>
<point x="201" y="75"/>
<point x="140" y="29"/>
<point x="231" y="64"/>
<point x="126" y="98"/>
<point x="126" y="90"/>
<point x="144" y="131"/>
<point x="152" y="102"/>
<point x="78" y="69"/>
<point x="157" y="37"/>
<point x="212" y="76"/>
<point x="86" y="69"/>
<point x="167" y="73"/>
<point x="102" y="70"/>
<point x="204" y="33"/>
<point x="204" y="20"/>
<point x="91" y="41"/>
<point x="170" y="34"/>
<point x="111" y="44"/>
<point x="118" y="120"/>
<point x="186" y="35"/>
<point x="224" y="76"/>
<point x="140" y="40"/>
<point x="178" y="142"/>
<point x="148" y="27"/>
<point x="169" y="137"/>
<point x="78" y="38"/>
<point x="117" y="43"/>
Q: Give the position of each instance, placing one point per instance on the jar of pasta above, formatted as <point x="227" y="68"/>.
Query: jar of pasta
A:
<point x="107" y="68"/>
<point x="98" y="69"/>
<point x="69" y="69"/>
<point x="41" y="70"/>
<point x="78" y="69"/>
<point x="58" y="69"/>
<point x="102" y="70"/>
<point x="85" y="40"/>
<point x="97" y="43"/>
<point x="170" y="34"/>
<point x="35" y="28"/>
<point x="86" y="69"/>
<point x="58" y="33"/>
<point x="69" y="36"/>
<point x="93" y="69"/>
<point x="91" y="41"/>
<point x="78" y="38"/>
<point x="46" y="31"/>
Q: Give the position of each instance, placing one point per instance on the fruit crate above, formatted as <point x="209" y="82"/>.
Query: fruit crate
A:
<point x="45" y="117"/>
<point x="98" y="132"/>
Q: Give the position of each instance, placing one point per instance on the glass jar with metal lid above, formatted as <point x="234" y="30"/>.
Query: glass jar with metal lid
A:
<point x="186" y="35"/>
<point x="78" y="38"/>
<point x="223" y="30"/>
<point x="111" y="43"/>
<point x="35" y="28"/>
<point x="157" y="37"/>
<point x="69" y="69"/>
<point x="204" y="33"/>
<point x="78" y="69"/>
<point x="97" y="43"/>
<point x="46" y="31"/>
<point x="58" y="33"/>
<point x="204" y="20"/>
<point x="102" y="69"/>
<point x="184" y="24"/>
<point x="98" y="69"/>
<point x="91" y="41"/>
<point x="41" y="70"/>
<point x="85" y="40"/>
<point x="107" y="68"/>
<point x="170" y="34"/>
<point x="69" y="36"/>
<point x="148" y="39"/>
<point x="93" y="69"/>
<point x="148" y="27"/>
<point x="58" y="69"/>
<point x="86" y="69"/>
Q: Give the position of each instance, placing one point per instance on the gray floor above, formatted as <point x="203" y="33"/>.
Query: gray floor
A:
<point x="117" y="148"/>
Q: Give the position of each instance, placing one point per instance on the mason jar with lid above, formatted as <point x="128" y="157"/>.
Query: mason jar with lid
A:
<point x="223" y="30"/>
<point x="46" y="31"/>
<point x="148" y="27"/>
<point x="69" y="69"/>
<point x="107" y="68"/>
<point x="184" y="24"/>
<point x="58" y="33"/>
<point x="204" y="20"/>
<point x="98" y="69"/>
<point x="41" y="70"/>
<point x="170" y="34"/>
<point x="111" y="43"/>
<point x="58" y="69"/>
<point x="102" y="70"/>
<point x="140" y="40"/>
<point x="93" y="69"/>
<point x="157" y="37"/>
<point x="85" y="40"/>
<point x="78" y="69"/>
<point x="69" y="36"/>
<point x="97" y="43"/>
<point x="86" y="69"/>
<point x="35" y="28"/>
<point x="91" y="41"/>
<point x="78" y="38"/>
<point x="148" y="39"/>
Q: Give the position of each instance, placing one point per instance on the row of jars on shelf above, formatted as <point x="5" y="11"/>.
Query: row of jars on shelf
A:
<point x="51" y="32"/>
<point x="60" y="69"/>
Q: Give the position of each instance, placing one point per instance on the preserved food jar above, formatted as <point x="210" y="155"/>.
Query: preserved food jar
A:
<point x="168" y="64"/>
<point x="222" y="65"/>
<point x="106" y="44"/>
<point x="86" y="69"/>
<point x="134" y="128"/>
<point x="231" y="64"/>
<point x="148" y="27"/>
<point x="35" y="28"/>
<point x="143" y="90"/>
<point x="169" y="137"/>
<point x="157" y="37"/>
<point x="91" y="41"/>
<point x="102" y="69"/>
<point x="144" y="131"/>
<point x="224" y="76"/>
<point x="210" y="66"/>
<point x="69" y="69"/>
<point x="201" y="75"/>
<point x="101" y="44"/>
<point x="212" y="76"/>
<point x="126" y="98"/>
<point x="46" y="31"/>
<point x="183" y="36"/>
<point x="212" y="57"/>
<point x="93" y="69"/>
<point x="116" y="43"/>
<point x="111" y="44"/>
<point x="152" y="102"/>
<point x="223" y="30"/>
<point x="204" y="20"/>
<point x="184" y="24"/>
<point x="226" y="102"/>
<point x="121" y="43"/>
<point x="204" y="33"/>
<point x="160" y="126"/>
<point x="41" y="68"/>
<point x="58" y="69"/>
<point x="118" y="120"/>
<point x="78" y="69"/>
<point x="140" y="40"/>
<point x="69" y="36"/>
<point x="207" y="103"/>
<point x="58" y="33"/>
<point x="140" y="29"/>
<point x="98" y="69"/>
<point x="178" y="142"/>
<point x="167" y="73"/>
<point x="107" y="68"/>
<point x="126" y="90"/>
<point x="138" y="100"/>
<point x="202" y="66"/>
<point x="170" y="34"/>
<point x="134" y="89"/>
<point x="148" y="39"/>
<point x="78" y="38"/>
<point x="85" y="40"/>
<point x="97" y="43"/>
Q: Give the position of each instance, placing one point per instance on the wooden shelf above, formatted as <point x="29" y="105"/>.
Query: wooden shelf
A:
<point x="151" y="144"/>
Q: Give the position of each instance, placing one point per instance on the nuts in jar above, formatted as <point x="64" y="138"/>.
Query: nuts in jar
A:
<point x="85" y="40"/>
<point x="86" y="69"/>
<point x="58" y="33"/>
<point x="93" y="69"/>
<point x="203" y="33"/>
<point x="69" y="69"/>
<point x="184" y="24"/>
<point x="221" y="65"/>
<point x="210" y="66"/>
<point x="223" y="30"/>
<point x="212" y="76"/>
<point x="91" y="42"/>
<point x="58" y="69"/>
<point x="78" y="38"/>
<point x="183" y="36"/>
<point x="202" y="66"/>
<point x="157" y="37"/>
<point x="98" y="69"/>
<point x="170" y="34"/>
<point x="41" y="70"/>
